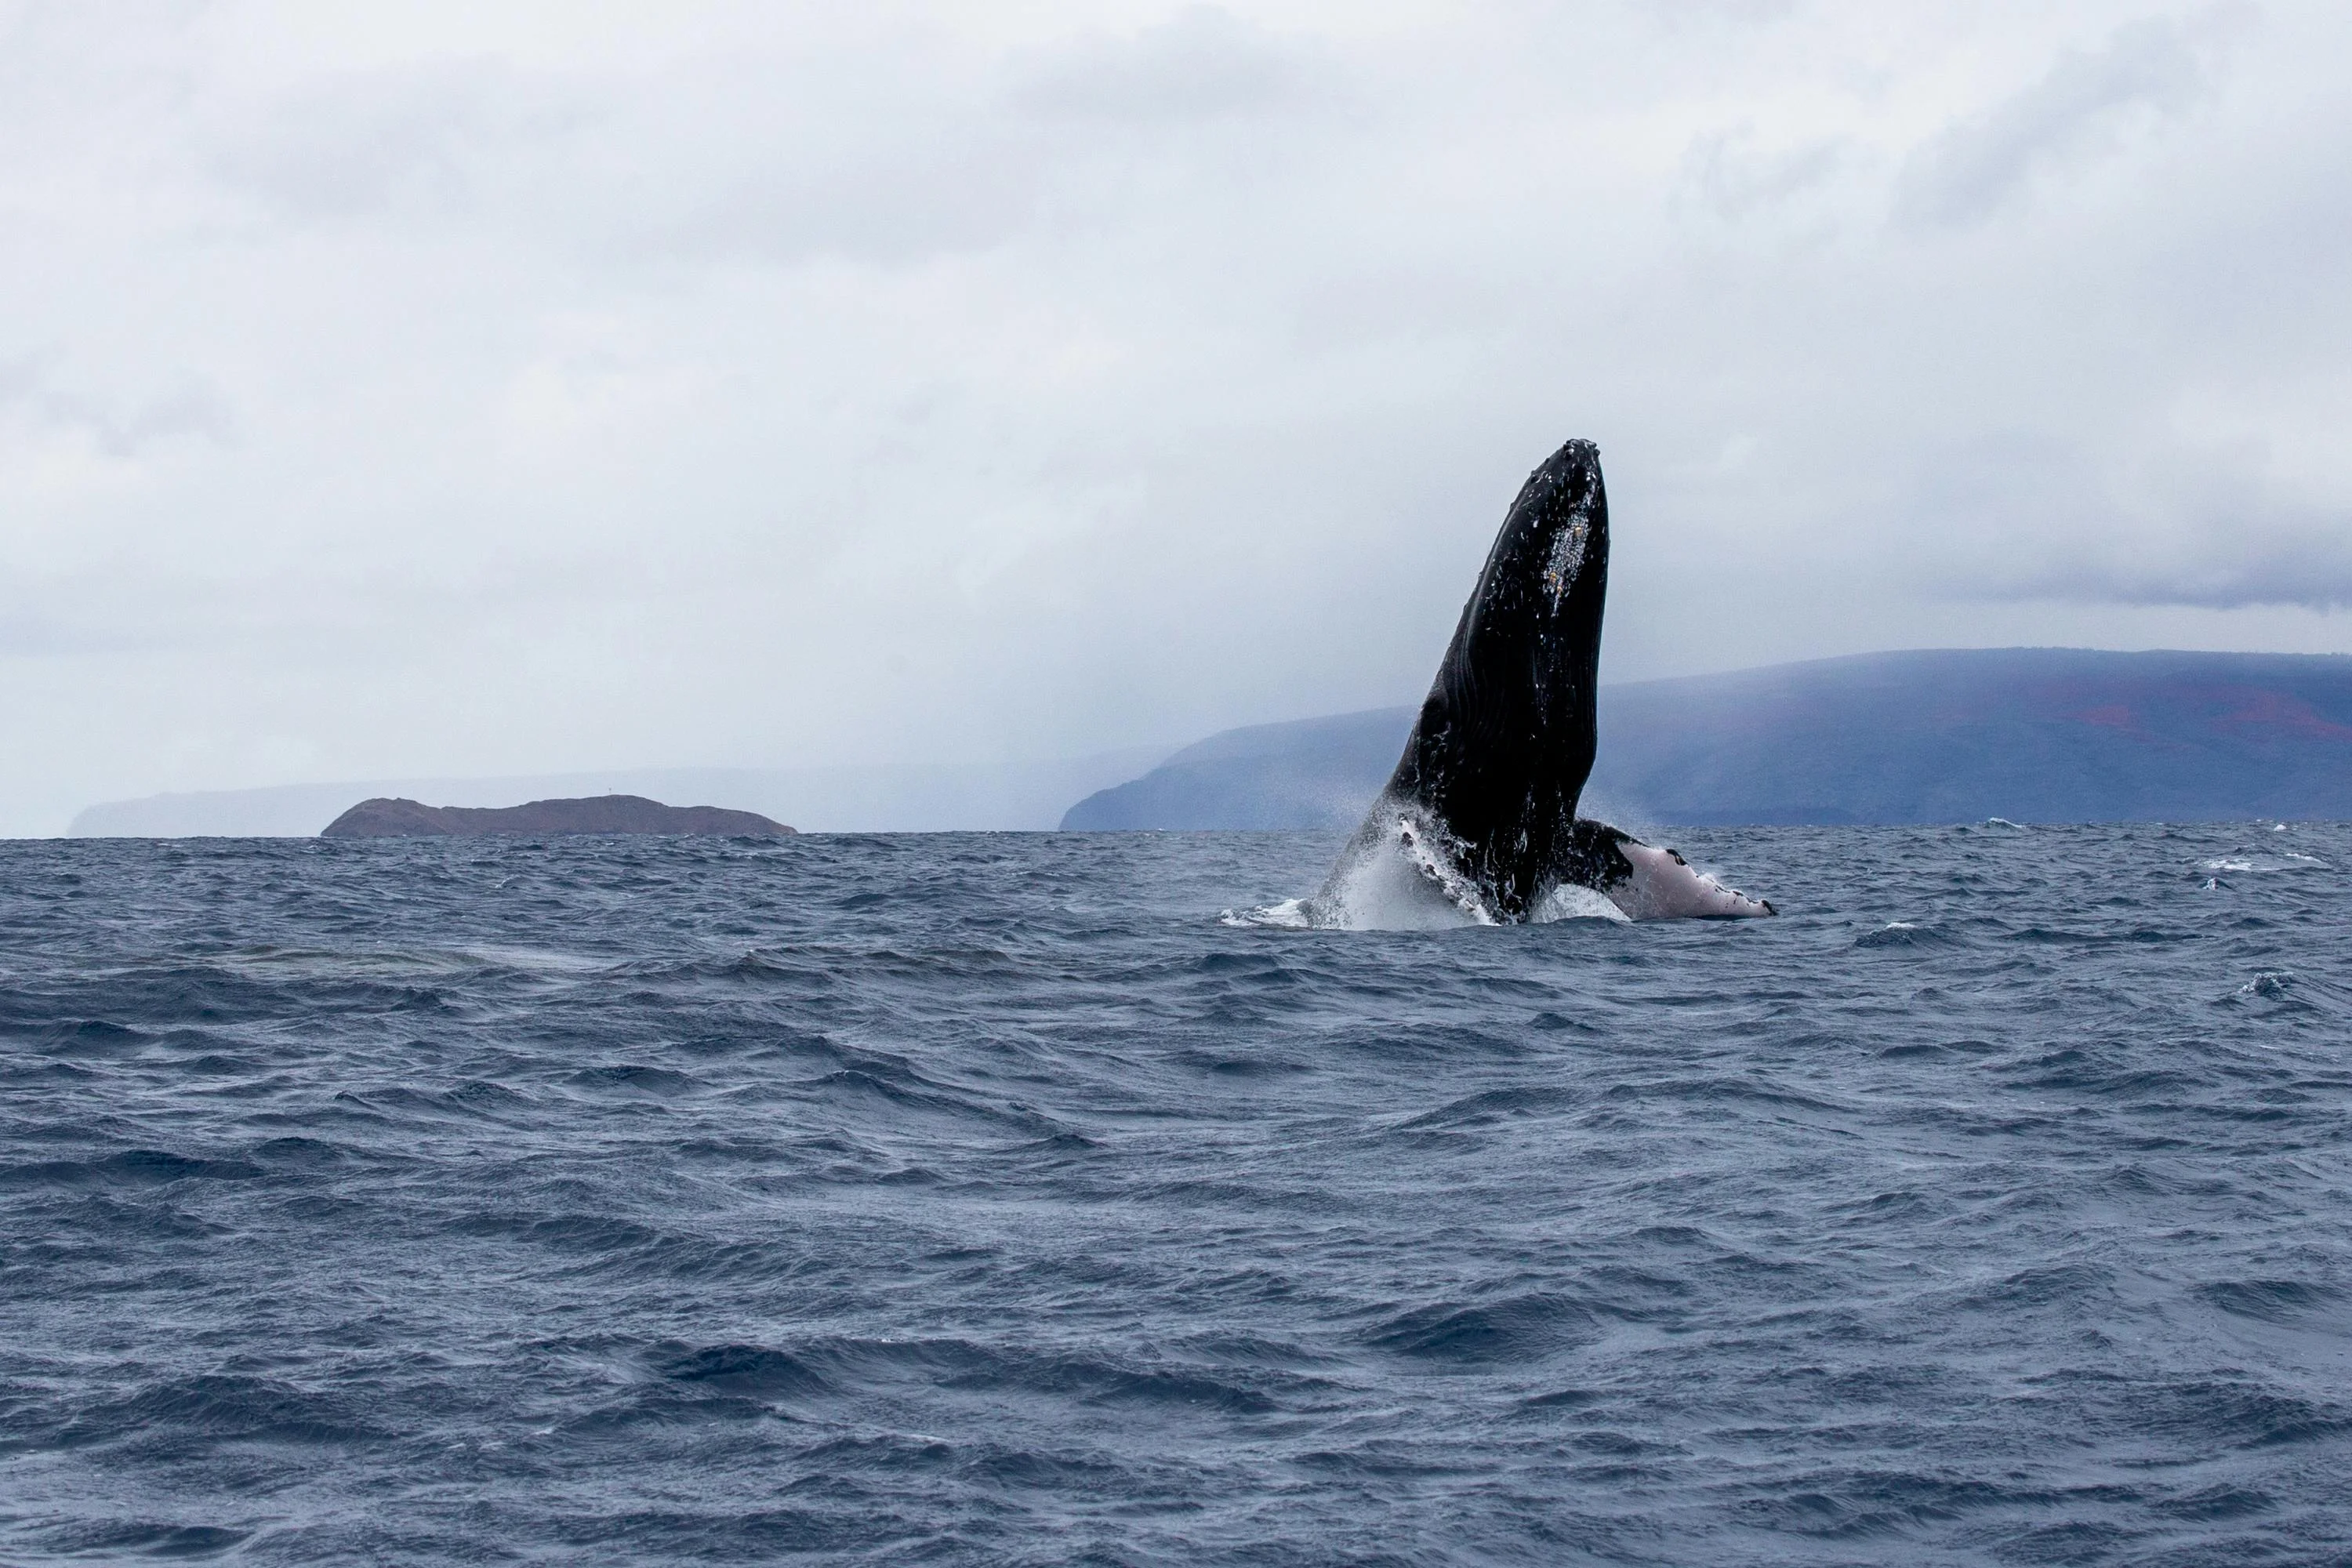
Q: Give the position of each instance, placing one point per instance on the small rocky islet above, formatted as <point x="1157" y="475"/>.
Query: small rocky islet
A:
<point x="388" y="817"/>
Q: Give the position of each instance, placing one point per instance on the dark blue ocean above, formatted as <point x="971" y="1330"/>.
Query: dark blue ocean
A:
<point x="993" y="1199"/>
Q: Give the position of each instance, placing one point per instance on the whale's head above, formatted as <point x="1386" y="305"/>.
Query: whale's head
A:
<point x="1517" y="685"/>
<point x="1547" y="572"/>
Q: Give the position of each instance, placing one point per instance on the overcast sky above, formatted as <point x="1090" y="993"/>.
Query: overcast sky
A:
<point x="485" y="388"/>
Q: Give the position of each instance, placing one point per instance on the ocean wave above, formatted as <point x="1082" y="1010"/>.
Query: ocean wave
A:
<point x="1060" y="1198"/>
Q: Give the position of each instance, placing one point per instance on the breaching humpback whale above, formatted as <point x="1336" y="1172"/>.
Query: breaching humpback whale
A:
<point x="1479" y="819"/>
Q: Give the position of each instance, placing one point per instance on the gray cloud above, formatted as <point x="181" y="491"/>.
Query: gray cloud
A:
<point x="2305" y="562"/>
<point x="2147" y="70"/>
<point x="1739" y="179"/>
<point x="497" y="390"/>
<point x="361" y="143"/>
<point x="2017" y="517"/>
<point x="1201" y="63"/>
<point x="191" y="406"/>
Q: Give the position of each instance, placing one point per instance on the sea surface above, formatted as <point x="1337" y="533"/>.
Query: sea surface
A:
<point x="1016" y="1199"/>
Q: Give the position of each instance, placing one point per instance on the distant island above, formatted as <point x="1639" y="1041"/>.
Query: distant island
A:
<point x="392" y="818"/>
<point x="1948" y="735"/>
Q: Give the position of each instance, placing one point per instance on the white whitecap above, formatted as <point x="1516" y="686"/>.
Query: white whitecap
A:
<point x="1291" y="914"/>
<point x="2290" y="862"/>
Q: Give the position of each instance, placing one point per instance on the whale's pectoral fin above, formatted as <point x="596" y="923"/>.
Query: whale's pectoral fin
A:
<point x="1660" y="885"/>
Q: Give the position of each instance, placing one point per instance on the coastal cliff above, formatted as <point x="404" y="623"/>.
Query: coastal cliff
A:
<point x="387" y="818"/>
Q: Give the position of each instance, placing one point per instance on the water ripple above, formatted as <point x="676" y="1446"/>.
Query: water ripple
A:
<point x="993" y="1198"/>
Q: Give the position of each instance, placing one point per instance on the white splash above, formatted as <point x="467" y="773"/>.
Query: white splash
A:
<point x="1408" y="877"/>
<point x="1569" y="902"/>
<point x="1398" y="881"/>
<point x="1432" y="855"/>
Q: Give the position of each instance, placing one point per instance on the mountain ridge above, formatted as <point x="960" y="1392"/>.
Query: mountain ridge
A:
<point x="1915" y="736"/>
